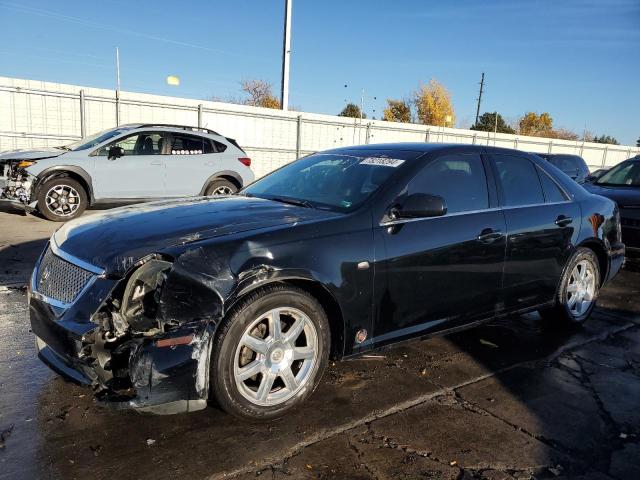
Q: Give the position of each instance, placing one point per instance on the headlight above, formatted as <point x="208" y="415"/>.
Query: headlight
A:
<point x="25" y="163"/>
<point x="142" y="294"/>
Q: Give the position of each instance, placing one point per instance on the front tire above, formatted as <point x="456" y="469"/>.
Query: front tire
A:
<point x="61" y="199"/>
<point x="270" y="353"/>
<point x="578" y="291"/>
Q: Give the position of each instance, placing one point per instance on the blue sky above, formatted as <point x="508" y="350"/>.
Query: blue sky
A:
<point x="578" y="60"/>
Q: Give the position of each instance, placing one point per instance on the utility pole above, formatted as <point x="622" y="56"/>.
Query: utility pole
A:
<point x="480" y="97"/>
<point x="117" y="86"/>
<point x="286" y="54"/>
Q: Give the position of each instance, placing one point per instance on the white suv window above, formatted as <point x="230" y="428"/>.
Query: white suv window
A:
<point x="182" y="144"/>
<point x="144" y="143"/>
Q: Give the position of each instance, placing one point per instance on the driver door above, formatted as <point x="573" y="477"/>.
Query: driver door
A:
<point x="437" y="272"/>
<point x="139" y="173"/>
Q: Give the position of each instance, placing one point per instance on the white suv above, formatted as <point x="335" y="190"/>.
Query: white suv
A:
<point x="129" y="163"/>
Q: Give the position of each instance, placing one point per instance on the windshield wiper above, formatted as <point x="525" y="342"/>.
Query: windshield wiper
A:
<point x="293" y="201"/>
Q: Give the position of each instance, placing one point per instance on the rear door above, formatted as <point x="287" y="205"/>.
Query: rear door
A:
<point x="191" y="160"/>
<point x="439" y="271"/>
<point x="140" y="173"/>
<point x="542" y="224"/>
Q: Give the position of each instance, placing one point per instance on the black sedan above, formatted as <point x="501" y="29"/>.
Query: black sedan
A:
<point x="242" y="299"/>
<point x="622" y="184"/>
<point x="572" y="165"/>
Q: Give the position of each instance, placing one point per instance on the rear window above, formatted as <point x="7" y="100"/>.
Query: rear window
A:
<point x="182" y="144"/>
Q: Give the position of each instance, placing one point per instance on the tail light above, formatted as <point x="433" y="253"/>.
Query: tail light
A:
<point x="246" y="161"/>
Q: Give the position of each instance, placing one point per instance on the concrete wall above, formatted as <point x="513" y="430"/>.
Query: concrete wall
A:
<point x="35" y="114"/>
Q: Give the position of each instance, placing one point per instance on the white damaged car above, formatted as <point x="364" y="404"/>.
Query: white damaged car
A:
<point x="127" y="164"/>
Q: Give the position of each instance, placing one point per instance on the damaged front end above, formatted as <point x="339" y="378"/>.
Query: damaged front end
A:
<point x="131" y="352"/>
<point x="17" y="184"/>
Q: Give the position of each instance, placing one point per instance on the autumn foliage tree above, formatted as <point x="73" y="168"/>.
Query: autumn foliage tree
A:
<point x="397" y="111"/>
<point x="536" y="125"/>
<point x="433" y="104"/>
<point x="260" y="94"/>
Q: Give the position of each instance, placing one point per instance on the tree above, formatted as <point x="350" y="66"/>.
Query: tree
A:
<point x="260" y="94"/>
<point x="397" y="111"/>
<point x="351" y="110"/>
<point x="487" y="123"/>
<point x="433" y="104"/>
<point x="536" y="125"/>
<point x="563" y="134"/>
<point x="605" y="139"/>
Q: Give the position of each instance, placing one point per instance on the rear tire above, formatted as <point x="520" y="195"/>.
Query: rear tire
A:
<point x="61" y="199"/>
<point x="221" y="186"/>
<point x="269" y="353"/>
<point x="578" y="290"/>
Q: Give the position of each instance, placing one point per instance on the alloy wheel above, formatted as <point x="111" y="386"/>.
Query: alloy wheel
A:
<point x="581" y="288"/>
<point x="62" y="200"/>
<point x="222" y="190"/>
<point x="276" y="356"/>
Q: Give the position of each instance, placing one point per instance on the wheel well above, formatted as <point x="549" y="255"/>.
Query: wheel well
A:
<point x="328" y="302"/>
<point x="332" y="309"/>
<point x="229" y="179"/>
<point x="601" y="254"/>
<point x="65" y="173"/>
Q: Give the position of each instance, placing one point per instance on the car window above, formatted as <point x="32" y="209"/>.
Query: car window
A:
<point x="519" y="180"/>
<point x="623" y="174"/>
<point x="146" y="143"/>
<point x="182" y="144"/>
<point x="96" y="139"/>
<point x="458" y="178"/>
<point x="220" y="147"/>
<point x="334" y="181"/>
<point x="552" y="192"/>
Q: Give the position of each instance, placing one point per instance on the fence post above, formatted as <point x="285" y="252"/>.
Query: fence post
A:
<point x="368" y="135"/>
<point x="604" y="157"/>
<point x="550" y="145"/>
<point x="515" y="143"/>
<point x="475" y="137"/>
<point x="200" y="115"/>
<point x="427" y="137"/>
<point x="299" y="136"/>
<point x="83" y="125"/>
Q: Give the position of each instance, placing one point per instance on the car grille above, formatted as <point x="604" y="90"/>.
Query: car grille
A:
<point x="59" y="279"/>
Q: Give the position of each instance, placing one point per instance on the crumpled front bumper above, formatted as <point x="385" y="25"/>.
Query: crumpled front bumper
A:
<point x="166" y="380"/>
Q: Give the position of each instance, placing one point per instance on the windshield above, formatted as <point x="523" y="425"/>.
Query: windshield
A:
<point x="96" y="139"/>
<point x="333" y="181"/>
<point x="627" y="173"/>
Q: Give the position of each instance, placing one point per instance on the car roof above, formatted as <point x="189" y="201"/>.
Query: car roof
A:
<point x="427" y="148"/>
<point x="169" y="126"/>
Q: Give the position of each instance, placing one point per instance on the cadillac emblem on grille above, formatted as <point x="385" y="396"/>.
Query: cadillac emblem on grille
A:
<point x="59" y="279"/>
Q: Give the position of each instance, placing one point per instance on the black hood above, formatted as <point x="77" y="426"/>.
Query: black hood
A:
<point x="623" y="196"/>
<point x="116" y="239"/>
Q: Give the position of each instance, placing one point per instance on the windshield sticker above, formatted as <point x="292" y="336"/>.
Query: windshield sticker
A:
<point x="382" y="161"/>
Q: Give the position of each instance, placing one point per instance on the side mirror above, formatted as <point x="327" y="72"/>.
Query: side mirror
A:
<point x="421" y="205"/>
<point x="115" y="152"/>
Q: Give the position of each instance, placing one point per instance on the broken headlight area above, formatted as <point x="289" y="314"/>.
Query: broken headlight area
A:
<point x="18" y="183"/>
<point x="128" y="325"/>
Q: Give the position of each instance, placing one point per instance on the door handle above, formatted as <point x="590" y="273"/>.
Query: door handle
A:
<point x="489" y="235"/>
<point x="157" y="162"/>
<point x="563" y="221"/>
